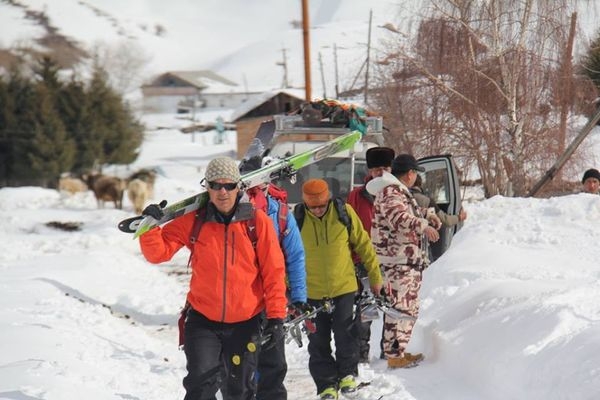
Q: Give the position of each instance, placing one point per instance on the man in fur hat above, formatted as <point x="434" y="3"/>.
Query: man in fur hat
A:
<point x="379" y="160"/>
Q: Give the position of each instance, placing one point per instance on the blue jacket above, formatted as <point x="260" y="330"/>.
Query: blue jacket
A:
<point x="293" y="251"/>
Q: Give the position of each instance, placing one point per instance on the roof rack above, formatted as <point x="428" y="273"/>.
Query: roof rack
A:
<point x="292" y="124"/>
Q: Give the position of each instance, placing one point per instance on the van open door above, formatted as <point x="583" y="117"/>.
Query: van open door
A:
<point x="440" y="182"/>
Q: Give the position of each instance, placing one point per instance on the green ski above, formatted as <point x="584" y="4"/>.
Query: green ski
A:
<point x="277" y="169"/>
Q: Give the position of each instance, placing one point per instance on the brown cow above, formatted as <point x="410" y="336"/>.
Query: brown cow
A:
<point x="107" y="188"/>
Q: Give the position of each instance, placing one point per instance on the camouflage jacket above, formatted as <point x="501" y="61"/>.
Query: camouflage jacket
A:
<point x="398" y="225"/>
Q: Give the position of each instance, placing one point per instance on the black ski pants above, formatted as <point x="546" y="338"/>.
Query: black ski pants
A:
<point x="210" y="346"/>
<point x="326" y="370"/>
<point x="364" y="337"/>
<point x="272" y="368"/>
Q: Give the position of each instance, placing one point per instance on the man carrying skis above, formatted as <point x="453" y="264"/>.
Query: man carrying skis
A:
<point x="237" y="270"/>
<point x="328" y="243"/>
<point x="272" y="366"/>
<point x="379" y="160"/>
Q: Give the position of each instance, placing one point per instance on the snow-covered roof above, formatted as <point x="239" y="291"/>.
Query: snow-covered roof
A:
<point x="257" y="100"/>
<point x="200" y="79"/>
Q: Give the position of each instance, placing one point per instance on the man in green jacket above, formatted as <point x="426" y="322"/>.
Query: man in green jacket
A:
<point x="328" y="245"/>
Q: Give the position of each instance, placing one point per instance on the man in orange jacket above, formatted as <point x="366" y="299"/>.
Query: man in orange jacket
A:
<point x="233" y="279"/>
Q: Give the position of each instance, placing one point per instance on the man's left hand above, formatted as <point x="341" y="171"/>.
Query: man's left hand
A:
<point x="376" y="289"/>
<point x="273" y="332"/>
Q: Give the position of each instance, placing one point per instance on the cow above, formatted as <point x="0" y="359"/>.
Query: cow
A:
<point x="107" y="188"/>
<point x="146" y="175"/>
<point x="71" y="185"/>
<point x="138" y="193"/>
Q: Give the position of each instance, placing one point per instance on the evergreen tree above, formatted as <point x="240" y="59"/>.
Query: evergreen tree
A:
<point x="48" y="127"/>
<point x="52" y="151"/>
<point x="72" y="106"/>
<point x="112" y="123"/>
<point x="47" y="72"/>
<point x="20" y="129"/>
<point x="5" y="146"/>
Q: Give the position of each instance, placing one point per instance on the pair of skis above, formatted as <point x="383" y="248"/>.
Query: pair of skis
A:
<point x="368" y="306"/>
<point x="277" y="169"/>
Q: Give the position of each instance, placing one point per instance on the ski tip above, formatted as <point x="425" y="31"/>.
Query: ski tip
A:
<point x="130" y="225"/>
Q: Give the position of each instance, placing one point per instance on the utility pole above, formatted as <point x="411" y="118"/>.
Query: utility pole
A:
<point x="368" y="56"/>
<point x="306" y="37"/>
<point x="322" y="76"/>
<point x="551" y="173"/>
<point x="335" y="61"/>
<point x="284" y="83"/>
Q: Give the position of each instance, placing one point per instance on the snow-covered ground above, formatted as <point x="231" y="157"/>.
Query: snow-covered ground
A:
<point x="511" y="311"/>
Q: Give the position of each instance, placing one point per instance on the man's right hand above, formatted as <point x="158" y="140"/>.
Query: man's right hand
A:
<point x="432" y="234"/>
<point x="155" y="210"/>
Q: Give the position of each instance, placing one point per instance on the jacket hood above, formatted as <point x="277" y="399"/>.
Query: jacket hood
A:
<point x="376" y="185"/>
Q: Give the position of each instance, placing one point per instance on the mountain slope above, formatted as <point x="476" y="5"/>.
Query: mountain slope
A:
<point x="241" y="40"/>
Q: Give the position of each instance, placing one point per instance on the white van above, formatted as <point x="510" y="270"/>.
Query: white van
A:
<point x="347" y="170"/>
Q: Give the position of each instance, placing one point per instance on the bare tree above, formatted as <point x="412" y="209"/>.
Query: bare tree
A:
<point x="490" y="82"/>
<point x="124" y="62"/>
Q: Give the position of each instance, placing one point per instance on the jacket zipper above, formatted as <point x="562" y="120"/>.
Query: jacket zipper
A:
<point x="225" y="275"/>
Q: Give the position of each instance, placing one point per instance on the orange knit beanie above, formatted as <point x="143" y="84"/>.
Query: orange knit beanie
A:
<point x="315" y="192"/>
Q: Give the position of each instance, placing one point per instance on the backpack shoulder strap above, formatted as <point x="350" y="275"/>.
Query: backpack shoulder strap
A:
<point x="340" y="208"/>
<point x="198" y="222"/>
<point x="251" y="229"/>
<point x="282" y="216"/>
<point x="299" y="212"/>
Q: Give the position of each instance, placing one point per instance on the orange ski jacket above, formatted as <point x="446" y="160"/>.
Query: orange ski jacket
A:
<point x="231" y="281"/>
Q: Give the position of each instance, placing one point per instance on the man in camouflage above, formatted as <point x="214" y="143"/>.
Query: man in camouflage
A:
<point x="399" y="225"/>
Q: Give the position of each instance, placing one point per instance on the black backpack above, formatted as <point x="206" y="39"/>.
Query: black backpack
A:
<point x="340" y="208"/>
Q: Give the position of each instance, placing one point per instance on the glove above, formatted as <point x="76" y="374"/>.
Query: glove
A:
<point x="155" y="210"/>
<point x="302" y="307"/>
<point x="273" y="333"/>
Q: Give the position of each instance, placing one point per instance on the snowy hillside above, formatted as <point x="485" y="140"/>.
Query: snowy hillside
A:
<point x="241" y="40"/>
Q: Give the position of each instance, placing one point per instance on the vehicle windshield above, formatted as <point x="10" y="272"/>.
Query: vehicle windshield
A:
<point x="336" y="171"/>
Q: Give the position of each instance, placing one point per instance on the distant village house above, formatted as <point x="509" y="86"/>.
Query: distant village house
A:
<point x="184" y="91"/>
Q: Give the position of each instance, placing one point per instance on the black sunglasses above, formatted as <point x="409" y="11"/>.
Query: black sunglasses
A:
<point x="218" y="186"/>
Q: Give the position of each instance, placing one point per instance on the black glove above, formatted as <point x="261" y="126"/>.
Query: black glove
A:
<point x="302" y="307"/>
<point x="273" y="333"/>
<point x="155" y="210"/>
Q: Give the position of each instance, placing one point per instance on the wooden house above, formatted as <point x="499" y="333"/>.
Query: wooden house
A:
<point x="248" y="116"/>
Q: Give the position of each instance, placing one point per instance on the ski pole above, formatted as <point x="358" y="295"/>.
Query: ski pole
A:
<point x="292" y="327"/>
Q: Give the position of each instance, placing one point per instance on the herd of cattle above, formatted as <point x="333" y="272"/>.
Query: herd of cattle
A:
<point x="139" y="187"/>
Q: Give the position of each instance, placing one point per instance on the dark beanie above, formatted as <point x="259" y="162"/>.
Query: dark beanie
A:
<point x="379" y="157"/>
<point x="590" y="173"/>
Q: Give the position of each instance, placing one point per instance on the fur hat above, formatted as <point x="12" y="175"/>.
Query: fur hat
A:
<point x="379" y="157"/>
<point x="590" y="173"/>
<point x="404" y="163"/>
<point x="222" y="168"/>
<point x="315" y="192"/>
